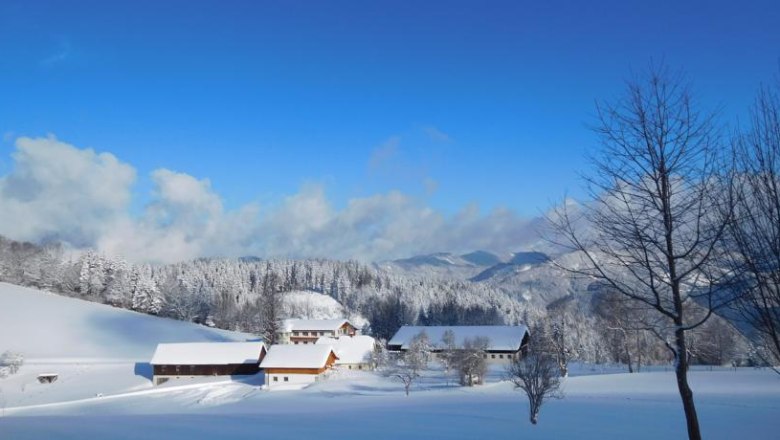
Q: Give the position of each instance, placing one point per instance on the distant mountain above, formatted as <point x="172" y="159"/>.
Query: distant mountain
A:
<point x="481" y="258"/>
<point x="518" y="263"/>
<point x="443" y="265"/>
<point x="522" y="258"/>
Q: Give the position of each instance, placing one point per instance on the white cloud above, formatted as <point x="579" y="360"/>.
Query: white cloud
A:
<point x="58" y="191"/>
<point x="435" y="134"/>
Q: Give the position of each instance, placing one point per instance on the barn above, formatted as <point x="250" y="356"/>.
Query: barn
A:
<point x="295" y="366"/>
<point x="505" y="342"/>
<point x="171" y="361"/>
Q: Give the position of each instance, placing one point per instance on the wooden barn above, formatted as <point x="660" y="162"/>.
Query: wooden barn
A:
<point x="193" y="359"/>
<point x="295" y="366"/>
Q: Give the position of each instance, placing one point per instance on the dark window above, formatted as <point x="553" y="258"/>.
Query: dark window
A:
<point x="501" y="356"/>
<point x="286" y="379"/>
<point x="492" y="356"/>
<point x="276" y="379"/>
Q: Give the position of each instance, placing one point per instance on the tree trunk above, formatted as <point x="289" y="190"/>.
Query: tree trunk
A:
<point x="681" y="371"/>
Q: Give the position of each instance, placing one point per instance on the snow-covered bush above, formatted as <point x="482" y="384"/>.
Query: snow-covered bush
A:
<point x="10" y="362"/>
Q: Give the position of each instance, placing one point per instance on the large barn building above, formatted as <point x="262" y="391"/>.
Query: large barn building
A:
<point x="505" y="342"/>
<point x="193" y="359"/>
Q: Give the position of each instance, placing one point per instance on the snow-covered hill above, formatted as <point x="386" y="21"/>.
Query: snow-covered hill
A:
<point x="43" y="325"/>
<point x="312" y="305"/>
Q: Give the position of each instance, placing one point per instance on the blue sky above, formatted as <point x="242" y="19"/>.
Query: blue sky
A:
<point x="450" y="103"/>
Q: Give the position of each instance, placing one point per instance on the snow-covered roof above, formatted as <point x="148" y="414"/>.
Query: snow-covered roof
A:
<point x="313" y="324"/>
<point x="501" y="337"/>
<point x="350" y="350"/>
<point x="297" y="356"/>
<point x="207" y="353"/>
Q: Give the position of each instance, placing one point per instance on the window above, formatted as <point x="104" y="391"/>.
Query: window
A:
<point x="286" y="379"/>
<point x="296" y="342"/>
<point x="276" y="378"/>
<point x="322" y="333"/>
<point x="305" y="333"/>
<point x="501" y="356"/>
<point x="492" y="356"/>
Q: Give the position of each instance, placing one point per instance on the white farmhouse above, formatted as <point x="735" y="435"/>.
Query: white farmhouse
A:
<point x="295" y="366"/>
<point x="354" y="352"/>
<point x="505" y="342"/>
<point x="307" y="331"/>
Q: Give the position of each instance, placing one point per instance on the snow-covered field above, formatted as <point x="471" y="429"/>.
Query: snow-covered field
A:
<point x="732" y="404"/>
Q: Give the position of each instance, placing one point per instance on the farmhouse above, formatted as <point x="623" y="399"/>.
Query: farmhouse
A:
<point x="307" y="331"/>
<point x="289" y="366"/>
<point x="206" y="359"/>
<point x="505" y="342"/>
<point x="354" y="352"/>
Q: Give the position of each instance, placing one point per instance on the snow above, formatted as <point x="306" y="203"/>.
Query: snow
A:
<point x="502" y="337"/>
<point x="350" y="350"/>
<point x="43" y="325"/>
<point x="101" y="393"/>
<point x="313" y="324"/>
<point x="207" y="353"/>
<point x="312" y="305"/>
<point x="94" y="348"/>
<point x="296" y="356"/>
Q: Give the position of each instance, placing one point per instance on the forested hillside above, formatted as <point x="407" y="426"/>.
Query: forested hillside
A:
<point x="252" y="295"/>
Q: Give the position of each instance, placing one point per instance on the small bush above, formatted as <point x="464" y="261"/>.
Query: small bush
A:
<point x="10" y="361"/>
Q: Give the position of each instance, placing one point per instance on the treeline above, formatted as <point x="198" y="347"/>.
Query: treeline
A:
<point x="247" y="295"/>
<point x="244" y="294"/>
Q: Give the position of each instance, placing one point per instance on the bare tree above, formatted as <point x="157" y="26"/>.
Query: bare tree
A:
<point x="538" y="374"/>
<point x="470" y="361"/>
<point x="448" y="350"/>
<point x="651" y="232"/>
<point x="407" y="366"/>
<point x="754" y="234"/>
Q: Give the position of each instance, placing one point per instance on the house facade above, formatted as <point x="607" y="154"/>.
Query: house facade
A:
<point x="172" y="361"/>
<point x="295" y="366"/>
<point x="504" y="342"/>
<point x="307" y="331"/>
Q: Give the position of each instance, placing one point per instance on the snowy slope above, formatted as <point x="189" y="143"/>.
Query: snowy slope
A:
<point x="312" y="305"/>
<point x="95" y="349"/>
<point x="45" y="325"/>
